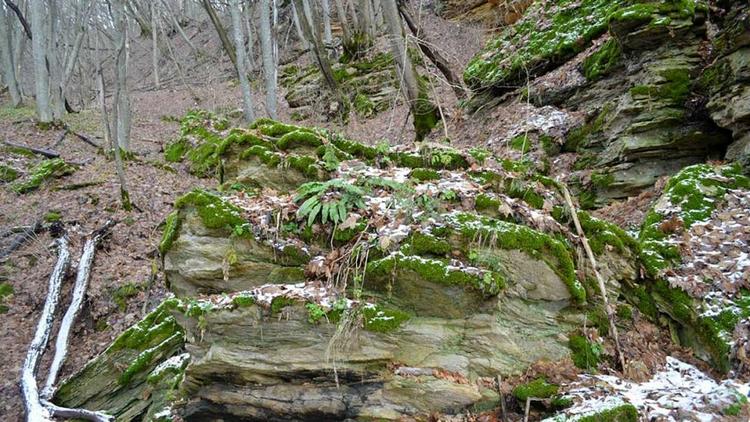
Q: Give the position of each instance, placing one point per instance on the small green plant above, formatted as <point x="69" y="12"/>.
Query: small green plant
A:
<point x="330" y="160"/>
<point x="331" y="200"/>
<point x="314" y="313"/>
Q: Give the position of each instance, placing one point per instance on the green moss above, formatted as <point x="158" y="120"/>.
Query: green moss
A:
<point x="602" y="180"/>
<point x="624" y="312"/>
<point x="52" y="216"/>
<point x="675" y="87"/>
<point x="407" y="159"/>
<point x="537" y="389"/>
<point x="601" y="233"/>
<point x="8" y="174"/>
<point x="515" y="188"/>
<point x="45" y="170"/>
<point x="521" y="143"/>
<point x="434" y="271"/>
<point x="355" y="148"/>
<point x="304" y="164"/>
<point x="622" y="413"/>
<point x="561" y="402"/>
<point x="444" y="159"/>
<point x="243" y="300"/>
<point x="422" y="243"/>
<point x="174" y="152"/>
<point x="536" y="244"/>
<point x="423" y="174"/>
<point x="525" y="49"/>
<point x="299" y="138"/>
<point x="214" y="212"/>
<point x="383" y="320"/>
<point x="485" y="202"/>
<point x="603" y="60"/>
<point x="123" y="293"/>
<point x="585" y="354"/>
<point x="6" y="291"/>
<point x="280" y="302"/>
<point x="171" y="230"/>
<point x="267" y="157"/>
<point x="579" y="138"/>
<point x="364" y="106"/>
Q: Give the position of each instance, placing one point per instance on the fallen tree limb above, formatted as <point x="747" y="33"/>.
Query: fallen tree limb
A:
<point x="35" y="410"/>
<point x="600" y="280"/>
<point x="22" y="238"/>
<point x="61" y="138"/>
<point x="41" y="151"/>
<point x="64" y="412"/>
<point x="82" y="137"/>
<point x="79" y="293"/>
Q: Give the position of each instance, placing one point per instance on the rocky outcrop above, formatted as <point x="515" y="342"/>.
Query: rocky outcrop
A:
<point x="691" y="247"/>
<point x="491" y="13"/>
<point x="394" y="282"/>
<point x="369" y="84"/>
<point x="727" y="80"/>
<point x="633" y="68"/>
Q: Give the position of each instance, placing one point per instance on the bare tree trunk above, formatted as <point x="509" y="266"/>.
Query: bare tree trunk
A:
<point x="248" y="15"/>
<point x="269" y="65"/>
<point x="135" y="11"/>
<point x="424" y="113"/>
<point x="155" y="46"/>
<point x="19" y="45"/>
<point x="6" y="56"/>
<point x="121" y="118"/>
<point x="366" y="19"/>
<point x="295" y="15"/>
<point x="239" y="42"/>
<point x="39" y="53"/>
<point x="35" y="411"/>
<point x="53" y="61"/>
<point x="343" y="20"/>
<point x="176" y="23"/>
<point x="220" y="30"/>
<point x="327" y="36"/>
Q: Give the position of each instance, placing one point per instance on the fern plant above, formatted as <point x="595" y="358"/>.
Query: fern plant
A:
<point x="331" y="200"/>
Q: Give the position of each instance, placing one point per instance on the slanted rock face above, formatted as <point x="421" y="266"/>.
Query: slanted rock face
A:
<point x="391" y="283"/>
<point x="634" y="68"/>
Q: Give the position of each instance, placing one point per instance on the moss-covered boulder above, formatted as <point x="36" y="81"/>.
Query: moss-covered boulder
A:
<point x="136" y="377"/>
<point x="704" y="294"/>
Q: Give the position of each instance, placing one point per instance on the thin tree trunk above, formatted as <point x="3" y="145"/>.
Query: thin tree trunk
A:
<point x="19" y="45"/>
<point x="311" y="30"/>
<point x="35" y="411"/>
<point x="327" y="36"/>
<point x="39" y="53"/>
<point x="248" y="16"/>
<point x="424" y="113"/>
<point x="220" y="30"/>
<point x="343" y="20"/>
<point x="53" y="61"/>
<point x="135" y="12"/>
<point x="6" y="56"/>
<point x="121" y="118"/>
<point x="435" y="57"/>
<point x="155" y="47"/>
<point x="298" y="27"/>
<point x="239" y="42"/>
<point x="269" y="65"/>
<point x="602" y="287"/>
<point x="176" y="23"/>
<point x="79" y="293"/>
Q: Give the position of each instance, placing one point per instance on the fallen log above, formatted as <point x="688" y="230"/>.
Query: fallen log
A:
<point x="35" y="410"/>
<point x="79" y="293"/>
<point x="41" y="151"/>
<point x="22" y="238"/>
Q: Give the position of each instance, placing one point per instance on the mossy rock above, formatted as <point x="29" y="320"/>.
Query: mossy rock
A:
<point x="46" y="170"/>
<point x="121" y="381"/>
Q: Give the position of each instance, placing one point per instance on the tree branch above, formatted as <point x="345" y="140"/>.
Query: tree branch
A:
<point x="22" y="19"/>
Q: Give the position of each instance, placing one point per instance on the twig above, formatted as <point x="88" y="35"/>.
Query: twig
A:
<point x="79" y="293"/>
<point x="64" y="412"/>
<point x="602" y="287"/>
<point x="61" y="138"/>
<point x="35" y="411"/>
<point x="526" y="412"/>
<point x="45" y="152"/>
<point x="504" y="415"/>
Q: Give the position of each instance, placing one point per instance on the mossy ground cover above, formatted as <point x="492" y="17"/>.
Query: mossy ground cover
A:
<point x="45" y="170"/>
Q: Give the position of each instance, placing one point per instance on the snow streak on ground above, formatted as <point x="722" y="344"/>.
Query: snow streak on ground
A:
<point x="678" y="392"/>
